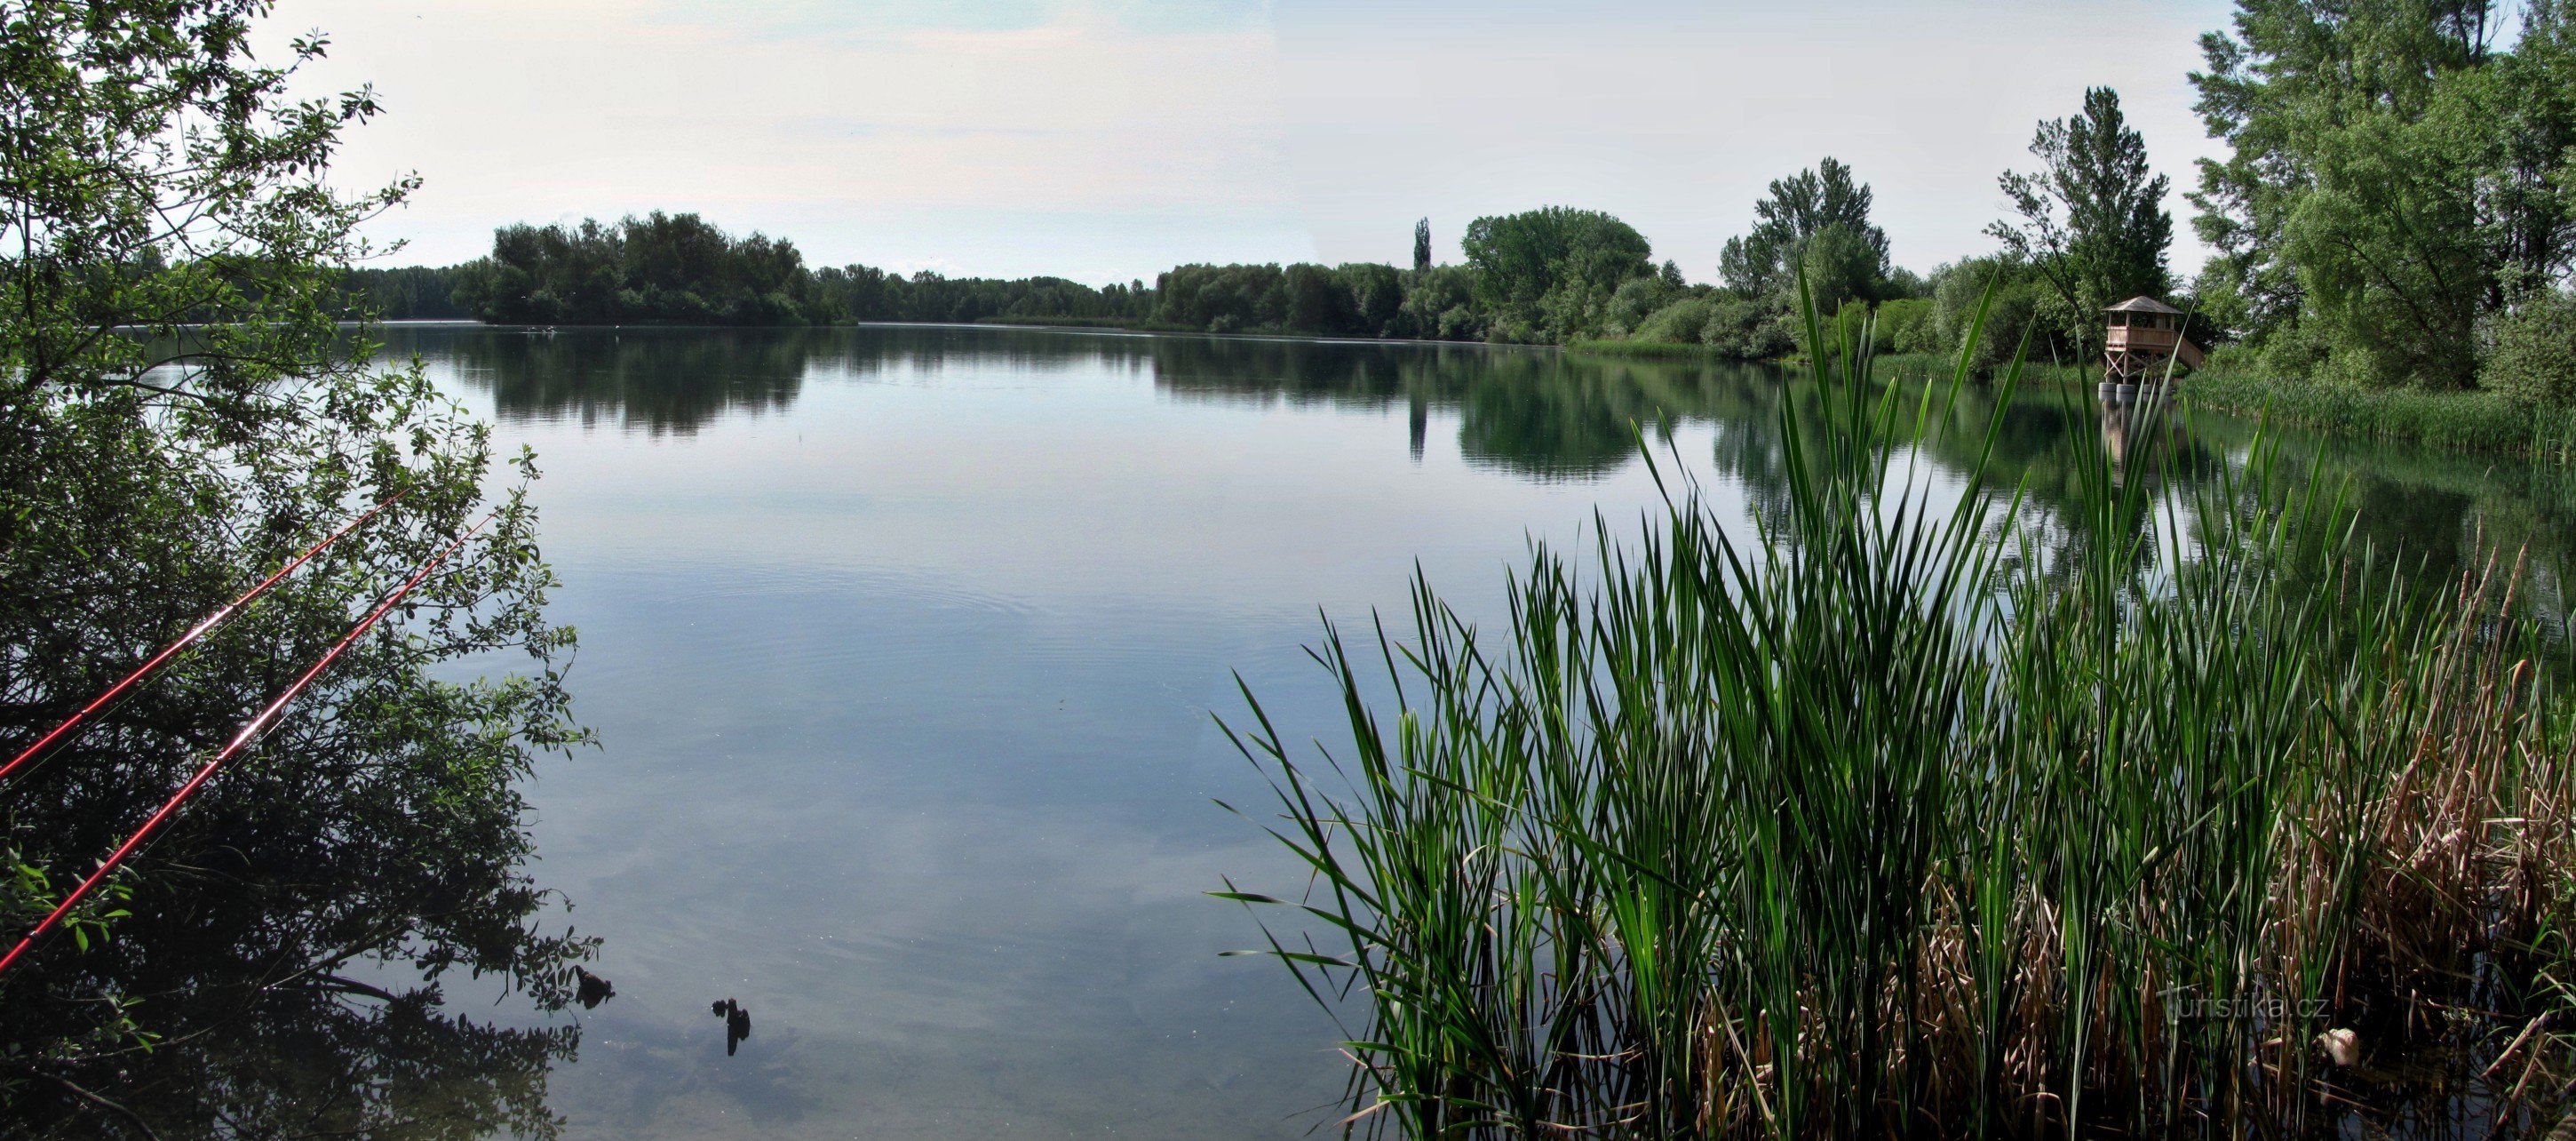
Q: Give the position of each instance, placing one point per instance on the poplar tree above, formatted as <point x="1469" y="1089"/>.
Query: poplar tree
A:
<point x="2092" y="218"/>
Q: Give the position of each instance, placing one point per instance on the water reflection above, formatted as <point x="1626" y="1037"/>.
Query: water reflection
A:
<point x="289" y="951"/>
<point x="1534" y="414"/>
<point x="652" y="380"/>
<point x="928" y="622"/>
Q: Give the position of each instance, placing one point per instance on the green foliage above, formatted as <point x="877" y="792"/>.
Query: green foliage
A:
<point x="1684" y="322"/>
<point x="1766" y="262"/>
<point x="1842" y="265"/>
<point x="1812" y="225"/>
<point x="179" y="413"/>
<point x="405" y="293"/>
<point x="658" y="269"/>
<point x="1441" y="304"/>
<point x="864" y="293"/>
<point x="1718" y="325"/>
<point x="1360" y="299"/>
<point x="1750" y="330"/>
<point x="1422" y="246"/>
<point x="1637" y="299"/>
<point x="1549" y="274"/>
<point x="2392" y="177"/>
<point x="2461" y="421"/>
<point x="1376" y="292"/>
<point x="2533" y="360"/>
<point x="2011" y="295"/>
<point x="2093" y="222"/>
<point x="1899" y="325"/>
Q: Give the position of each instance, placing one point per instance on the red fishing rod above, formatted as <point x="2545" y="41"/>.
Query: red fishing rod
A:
<point x="194" y="632"/>
<point x="240" y="741"/>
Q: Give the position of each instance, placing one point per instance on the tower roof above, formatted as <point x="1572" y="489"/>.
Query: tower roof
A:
<point x="2142" y="304"/>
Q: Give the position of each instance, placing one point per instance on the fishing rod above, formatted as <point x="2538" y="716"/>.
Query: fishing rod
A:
<point x="194" y="632"/>
<point x="240" y="741"/>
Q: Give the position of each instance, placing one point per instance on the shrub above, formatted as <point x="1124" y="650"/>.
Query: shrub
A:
<point x="1634" y="300"/>
<point x="2533" y="359"/>
<point x="1898" y="323"/>
<point x="1748" y="330"/>
<point x="1683" y="322"/>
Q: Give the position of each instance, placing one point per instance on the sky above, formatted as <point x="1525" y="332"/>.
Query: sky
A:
<point x="1108" y="140"/>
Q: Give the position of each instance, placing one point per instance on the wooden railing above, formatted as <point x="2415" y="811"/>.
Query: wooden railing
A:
<point x="2130" y="337"/>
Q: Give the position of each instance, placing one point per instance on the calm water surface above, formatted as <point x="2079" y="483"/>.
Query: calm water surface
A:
<point x="903" y="644"/>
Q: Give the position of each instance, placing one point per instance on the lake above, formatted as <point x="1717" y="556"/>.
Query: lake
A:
<point x="903" y="644"/>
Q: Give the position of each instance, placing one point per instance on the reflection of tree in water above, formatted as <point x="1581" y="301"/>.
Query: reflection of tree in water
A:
<point x="290" y="928"/>
<point x="1536" y="413"/>
<point x="656" y="380"/>
<point x="278" y="940"/>
<point x="2435" y="514"/>
<point x="1555" y="418"/>
<point x="2442" y="510"/>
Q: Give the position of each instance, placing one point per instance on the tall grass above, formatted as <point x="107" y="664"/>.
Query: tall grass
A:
<point x="1648" y="350"/>
<point x="1919" y="367"/>
<point x="1894" y="818"/>
<point x="2460" y="421"/>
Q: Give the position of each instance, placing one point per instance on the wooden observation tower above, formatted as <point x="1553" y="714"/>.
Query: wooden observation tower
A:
<point x="2144" y="335"/>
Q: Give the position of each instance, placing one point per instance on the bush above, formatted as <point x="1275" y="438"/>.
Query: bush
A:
<point x="1749" y="330"/>
<point x="2016" y="309"/>
<point x="1634" y="300"/>
<point x="1683" y="322"/>
<point x="2533" y="359"/>
<point x="1898" y="323"/>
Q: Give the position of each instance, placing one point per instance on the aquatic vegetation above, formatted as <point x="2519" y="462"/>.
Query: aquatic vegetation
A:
<point x="1901" y="817"/>
<point x="2456" y="420"/>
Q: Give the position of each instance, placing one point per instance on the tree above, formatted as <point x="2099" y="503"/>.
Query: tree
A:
<point x="1764" y="263"/>
<point x="1550" y="273"/>
<point x="2393" y="180"/>
<point x="1841" y="265"/>
<point x="2093" y="221"/>
<point x="657" y="268"/>
<point x="2533" y="359"/>
<point x="178" y="414"/>
<point x="1422" y="246"/>
<point x="1376" y="298"/>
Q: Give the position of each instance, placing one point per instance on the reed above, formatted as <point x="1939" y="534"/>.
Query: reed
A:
<point x="1647" y="350"/>
<point x="2462" y="421"/>
<point x="1921" y="814"/>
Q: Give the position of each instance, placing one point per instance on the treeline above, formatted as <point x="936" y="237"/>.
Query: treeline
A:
<point x="1544" y="275"/>
<point x="406" y="293"/>
<point x="864" y="293"/>
<point x="1551" y="275"/>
